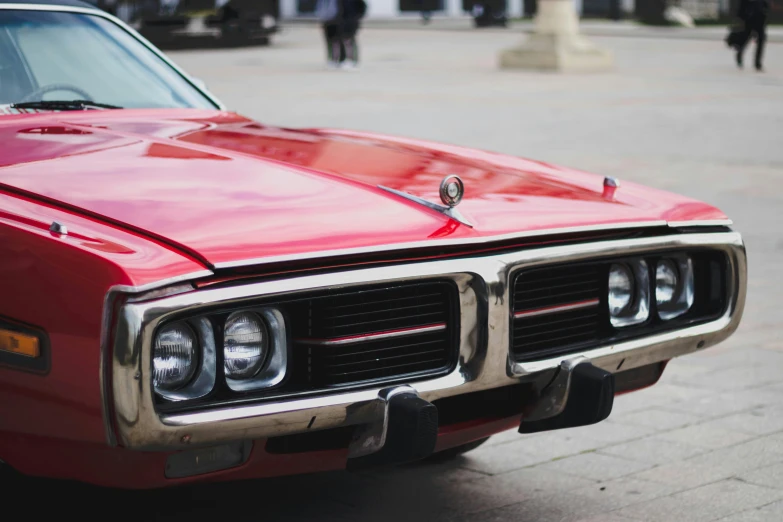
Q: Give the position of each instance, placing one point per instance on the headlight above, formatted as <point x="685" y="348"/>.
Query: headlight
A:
<point x="174" y="357"/>
<point x="628" y="293"/>
<point x="183" y="360"/>
<point x="674" y="287"/>
<point x="666" y="282"/>
<point x="620" y="289"/>
<point x="245" y="345"/>
<point x="255" y="352"/>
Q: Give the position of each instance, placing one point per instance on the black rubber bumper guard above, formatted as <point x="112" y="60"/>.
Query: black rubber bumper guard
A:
<point x="579" y="394"/>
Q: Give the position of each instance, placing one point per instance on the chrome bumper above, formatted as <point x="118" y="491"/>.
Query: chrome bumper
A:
<point x="484" y="361"/>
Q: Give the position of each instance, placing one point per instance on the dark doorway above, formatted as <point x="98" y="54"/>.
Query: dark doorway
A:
<point x="407" y="6"/>
<point x="305" y="6"/>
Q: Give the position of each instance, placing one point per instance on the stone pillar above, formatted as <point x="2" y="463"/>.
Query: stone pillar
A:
<point x="453" y="8"/>
<point x="515" y="8"/>
<point x="556" y="44"/>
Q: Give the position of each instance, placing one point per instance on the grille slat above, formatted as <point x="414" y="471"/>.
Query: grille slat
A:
<point x="380" y="325"/>
<point x="383" y="302"/>
<point x="390" y="369"/>
<point x="386" y="359"/>
<point x="379" y="311"/>
<point x="364" y="351"/>
<point x="549" y="282"/>
<point x="556" y="331"/>
<point x="547" y="279"/>
<point x="562" y="333"/>
<point x="561" y="298"/>
<point x="569" y="286"/>
<point x="531" y="331"/>
<point x="387" y="311"/>
<point x="552" y="320"/>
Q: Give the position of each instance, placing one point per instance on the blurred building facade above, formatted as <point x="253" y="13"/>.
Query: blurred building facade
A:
<point x="612" y="9"/>
<point x="390" y="9"/>
<point x="400" y="9"/>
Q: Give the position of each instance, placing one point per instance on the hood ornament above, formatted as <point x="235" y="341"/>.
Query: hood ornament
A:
<point x="610" y="187"/>
<point x="58" y="228"/>
<point x="451" y="191"/>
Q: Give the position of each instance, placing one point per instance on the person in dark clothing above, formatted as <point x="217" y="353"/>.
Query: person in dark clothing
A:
<point x="754" y="14"/>
<point x="352" y="13"/>
<point x="329" y="12"/>
<point x="426" y="13"/>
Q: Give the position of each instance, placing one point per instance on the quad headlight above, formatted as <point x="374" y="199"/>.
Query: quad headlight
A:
<point x="174" y="357"/>
<point x="629" y="293"/>
<point x="185" y="362"/>
<point x="629" y="289"/>
<point x="255" y="352"/>
<point x="245" y="345"/>
<point x="674" y="286"/>
<point x="620" y="289"/>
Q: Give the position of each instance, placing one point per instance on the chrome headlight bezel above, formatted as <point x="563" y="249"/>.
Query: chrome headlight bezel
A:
<point x="210" y="363"/>
<point x="246" y="342"/>
<point x="202" y="382"/>
<point x="637" y="311"/>
<point x="684" y="291"/>
<point x="273" y="370"/>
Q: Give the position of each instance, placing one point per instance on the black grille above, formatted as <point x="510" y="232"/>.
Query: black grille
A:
<point x="338" y="342"/>
<point x="556" y="309"/>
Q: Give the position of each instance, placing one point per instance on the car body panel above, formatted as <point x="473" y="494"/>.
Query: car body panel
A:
<point x="59" y="283"/>
<point x="229" y="191"/>
<point x="65" y="459"/>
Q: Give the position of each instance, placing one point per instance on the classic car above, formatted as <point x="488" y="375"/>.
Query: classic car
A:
<point x="190" y="295"/>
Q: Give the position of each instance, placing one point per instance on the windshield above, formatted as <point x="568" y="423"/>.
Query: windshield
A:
<point x="47" y="55"/>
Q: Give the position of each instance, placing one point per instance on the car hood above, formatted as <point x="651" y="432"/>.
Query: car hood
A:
<point x="230" y="191"/>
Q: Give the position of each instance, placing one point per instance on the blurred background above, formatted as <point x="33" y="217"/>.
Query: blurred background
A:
<point x="243" y="22"/>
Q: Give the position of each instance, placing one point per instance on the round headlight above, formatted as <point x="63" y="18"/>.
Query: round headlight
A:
<point x="674" y="286"/>
<point x="666" y="281"/>
<point x="245" y="345"/>
<point x="620" y="289"/>
<point x="174" y="357"/>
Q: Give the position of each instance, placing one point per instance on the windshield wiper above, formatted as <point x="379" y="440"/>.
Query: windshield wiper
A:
<point x="63" y="105"/>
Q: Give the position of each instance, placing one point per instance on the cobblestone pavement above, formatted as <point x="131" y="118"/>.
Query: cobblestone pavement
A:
<point x="706" y="443"/>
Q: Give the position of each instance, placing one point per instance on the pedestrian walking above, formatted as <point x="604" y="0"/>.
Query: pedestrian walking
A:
<point x="754" y="15"/>
<point x="426" y="12"/>
<point x="353" y="12"/>
<point x="329" y="13"/>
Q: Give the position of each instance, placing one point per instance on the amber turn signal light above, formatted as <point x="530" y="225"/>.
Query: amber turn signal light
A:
<point x="19" y="343"/>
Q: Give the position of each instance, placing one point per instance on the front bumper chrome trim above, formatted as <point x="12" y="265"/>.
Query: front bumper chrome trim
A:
<point x="484" y="362"/>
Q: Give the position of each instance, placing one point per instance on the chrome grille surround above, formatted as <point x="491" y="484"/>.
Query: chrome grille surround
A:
<point x="484" y="362"/>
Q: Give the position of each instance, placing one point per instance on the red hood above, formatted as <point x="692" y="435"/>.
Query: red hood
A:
<point x="228" y="190"/>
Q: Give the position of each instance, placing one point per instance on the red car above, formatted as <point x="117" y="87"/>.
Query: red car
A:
<point x="190" y="295"/>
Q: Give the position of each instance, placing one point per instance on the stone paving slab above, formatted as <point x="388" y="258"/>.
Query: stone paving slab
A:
<point x="767" y="513"/>
<point x="653" y="450"/>
<point x="596" y="466"/>
<point x="709" y="502"/>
